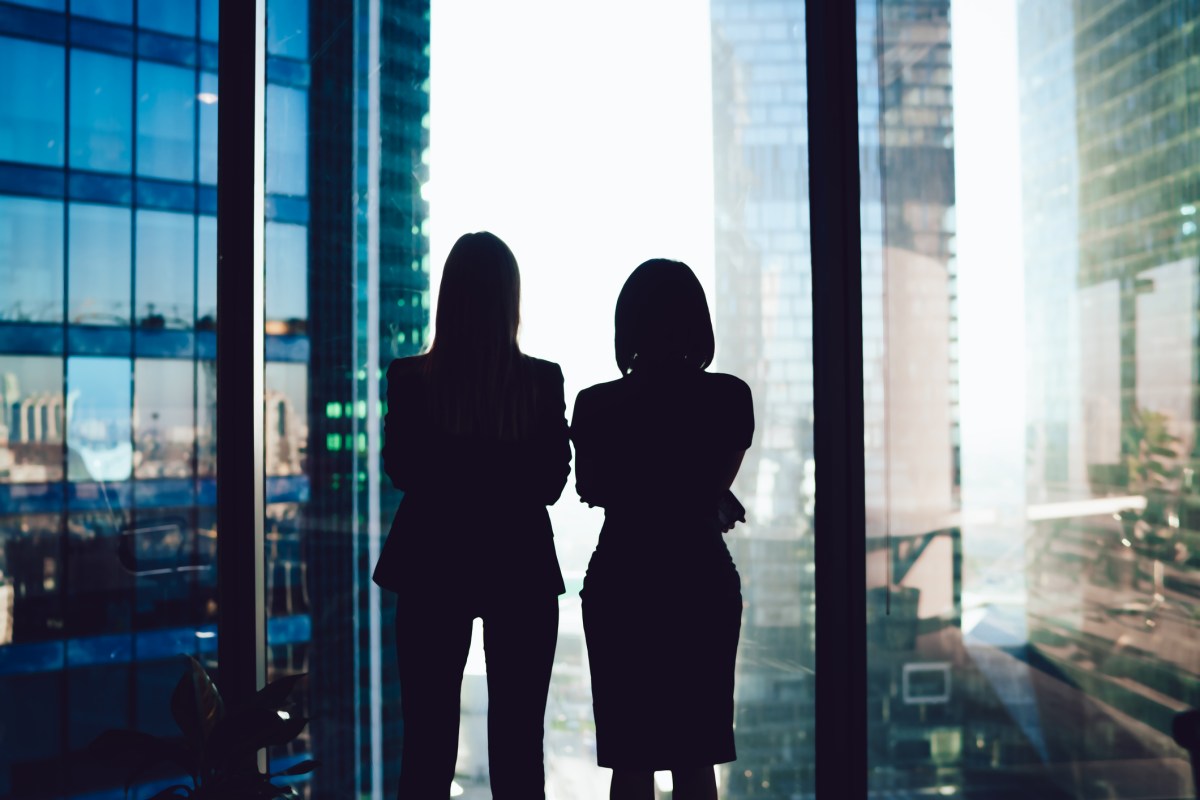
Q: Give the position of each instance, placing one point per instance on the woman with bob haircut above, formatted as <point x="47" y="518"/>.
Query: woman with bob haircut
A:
<point x="476" y="437"/>
<point x="658" y="448"/>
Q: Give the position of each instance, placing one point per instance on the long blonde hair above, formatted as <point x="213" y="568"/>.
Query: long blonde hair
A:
<point x="480" y="381"/>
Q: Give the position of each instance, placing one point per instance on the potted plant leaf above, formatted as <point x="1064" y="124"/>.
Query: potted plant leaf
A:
<point x="217" y="748"/>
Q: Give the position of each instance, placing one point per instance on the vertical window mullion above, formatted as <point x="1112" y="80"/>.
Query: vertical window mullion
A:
<point x="240" y="366"/>
<point x="840" y="556"/>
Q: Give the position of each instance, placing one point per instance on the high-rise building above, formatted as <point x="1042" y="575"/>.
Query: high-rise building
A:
<point x="764" y="324"/>
<point x="107" y="345"/>
<point x="1110" y="188"/>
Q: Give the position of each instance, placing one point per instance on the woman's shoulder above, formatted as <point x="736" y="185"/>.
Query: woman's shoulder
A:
<point x="724" y="382"/>
<point x="402" y="368"/>
<point x="542" y="368"/>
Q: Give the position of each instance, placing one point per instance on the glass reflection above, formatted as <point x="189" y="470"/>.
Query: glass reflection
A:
<point x="163" y="429"/>
<point x="206" y="418"/>
<point x="286" y="260"/>
<point x="286" y="418"/>
<point x="31" y="259"/>
<point x="287" y="140"/>
<point x="287" y="28"/>
<point x="101" y="112"/>
<point x="31" y="129"/>
<point x="165" y="269"/>
<point x="168" y="16"/>
<point x="166" y="106"/>
<point x="208" y="128"/>
<point x="32" y="419"/>
<point x="118" y="11"/>
<point x="99" y="579"/>
<point x="100" y="265"/>
<point x="30" y="579"/>
<point x="206" y="273"/>
<point x="99" y="404"/>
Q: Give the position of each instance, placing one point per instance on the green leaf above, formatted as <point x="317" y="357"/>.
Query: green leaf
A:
<point x="276" y="693"/>
<point x="248" y="730"/>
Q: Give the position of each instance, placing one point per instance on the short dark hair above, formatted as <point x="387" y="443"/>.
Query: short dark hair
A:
<point x="662" y="318"/>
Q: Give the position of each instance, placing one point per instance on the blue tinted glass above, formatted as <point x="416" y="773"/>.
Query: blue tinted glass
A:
<point x="206" y="272"/>
<point x="210" y="20"/>
<point x="286" y="271"/>
<point x="101" y="112"/>
<point x="165" y="128"/>
<point x="164" y="431"/>
<point x="31" y="415"/>
<point x="99" y="285"/>
<point x="98" y="419"/>
<point x="31" y="102"/>
<point x="31" y="260"/>
<point x="169" y="16"/>
<point x="52" y="5"/>
<point x="287" y="140"/>
<point x="119" y="11"/>
<point x="165" y="258"/>
<point x="208" y="128"/>
<point x="287" y="28"/>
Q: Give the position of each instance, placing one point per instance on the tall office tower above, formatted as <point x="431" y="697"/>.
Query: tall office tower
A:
<point x="107" y="374"/>
<point x="763" y="314"/>
<point x="764" y="335"/>
<point x="910" y="398"/>
<point x="1110" y="188"/>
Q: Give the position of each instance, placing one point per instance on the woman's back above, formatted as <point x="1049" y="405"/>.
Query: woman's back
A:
<point x="659" y="443"/>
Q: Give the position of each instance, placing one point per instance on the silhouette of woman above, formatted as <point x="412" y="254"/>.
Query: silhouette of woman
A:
<point x="476" y="437"/>
<point x="658" y="449"/>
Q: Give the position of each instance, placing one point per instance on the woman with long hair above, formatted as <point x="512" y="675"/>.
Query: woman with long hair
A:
<point x="476" y="437"/>
<point x="658" y="448"/>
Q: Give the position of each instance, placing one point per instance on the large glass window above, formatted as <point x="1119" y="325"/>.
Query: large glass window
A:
<point x="101" y="112"/>
<point x="100" y="264"/>
<point x="32" y="420"/>
<point x="166" y="134"/>
<point x="166" y="252"/>
<point x="208" y="127"/>
<point x="1030" y="301"/>
<point x="168" y="16"/>
<point x="164" y="430"/>
<point x="31" y="259"/>
<point x="99" y="403"/>
<point x="118" y="11"/>
<point x="286" y="260"/>
<point x="287" y="140"/>
<point x="32" y="79"/>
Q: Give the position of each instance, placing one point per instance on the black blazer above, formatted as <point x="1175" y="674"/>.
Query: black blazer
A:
<point x="473" y="520"/>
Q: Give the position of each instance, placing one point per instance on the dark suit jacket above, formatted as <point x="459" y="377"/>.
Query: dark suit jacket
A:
<point x="473" y="521"/>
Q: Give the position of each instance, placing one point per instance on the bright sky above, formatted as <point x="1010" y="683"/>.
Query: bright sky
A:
<point x="584" y="140"/>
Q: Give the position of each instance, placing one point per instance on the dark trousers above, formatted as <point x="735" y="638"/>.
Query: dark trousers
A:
<point x="518" y="639"/>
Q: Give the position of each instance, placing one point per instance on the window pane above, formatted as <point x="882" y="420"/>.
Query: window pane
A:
<point x="287" y="277"/>
<point x="1030" y="302"/>
<point x="32" y="421"/>
<point x="50" y="5"/>
<point x="287" y="140"/>
<point x="101" y="112"/>
<point x="168" y="16"/>
<point x="118" y="11"/>
<point x="165" y="269"/>
<point x="32" y="86"/>
<point x="286" y="418"/>
<point x="31" y="260"/>
<point x="208" y="128"/>
<point x="210" y="22"/>
<point x="165" y="127"/>
<point x="206" y="418"/>
<point x="99" y="443"/>
<point x="206" y="267"/>
<point x="164" y="420"/>
<point x="287" y="28"/>
<point x="100" y="265"/>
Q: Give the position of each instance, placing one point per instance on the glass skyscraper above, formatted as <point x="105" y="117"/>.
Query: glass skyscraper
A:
<point x="108" y="159"/>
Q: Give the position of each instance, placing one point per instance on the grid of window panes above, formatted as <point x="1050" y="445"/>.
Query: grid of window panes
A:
<point x="107" y="373"/>
<point x="1030" y="357"/>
